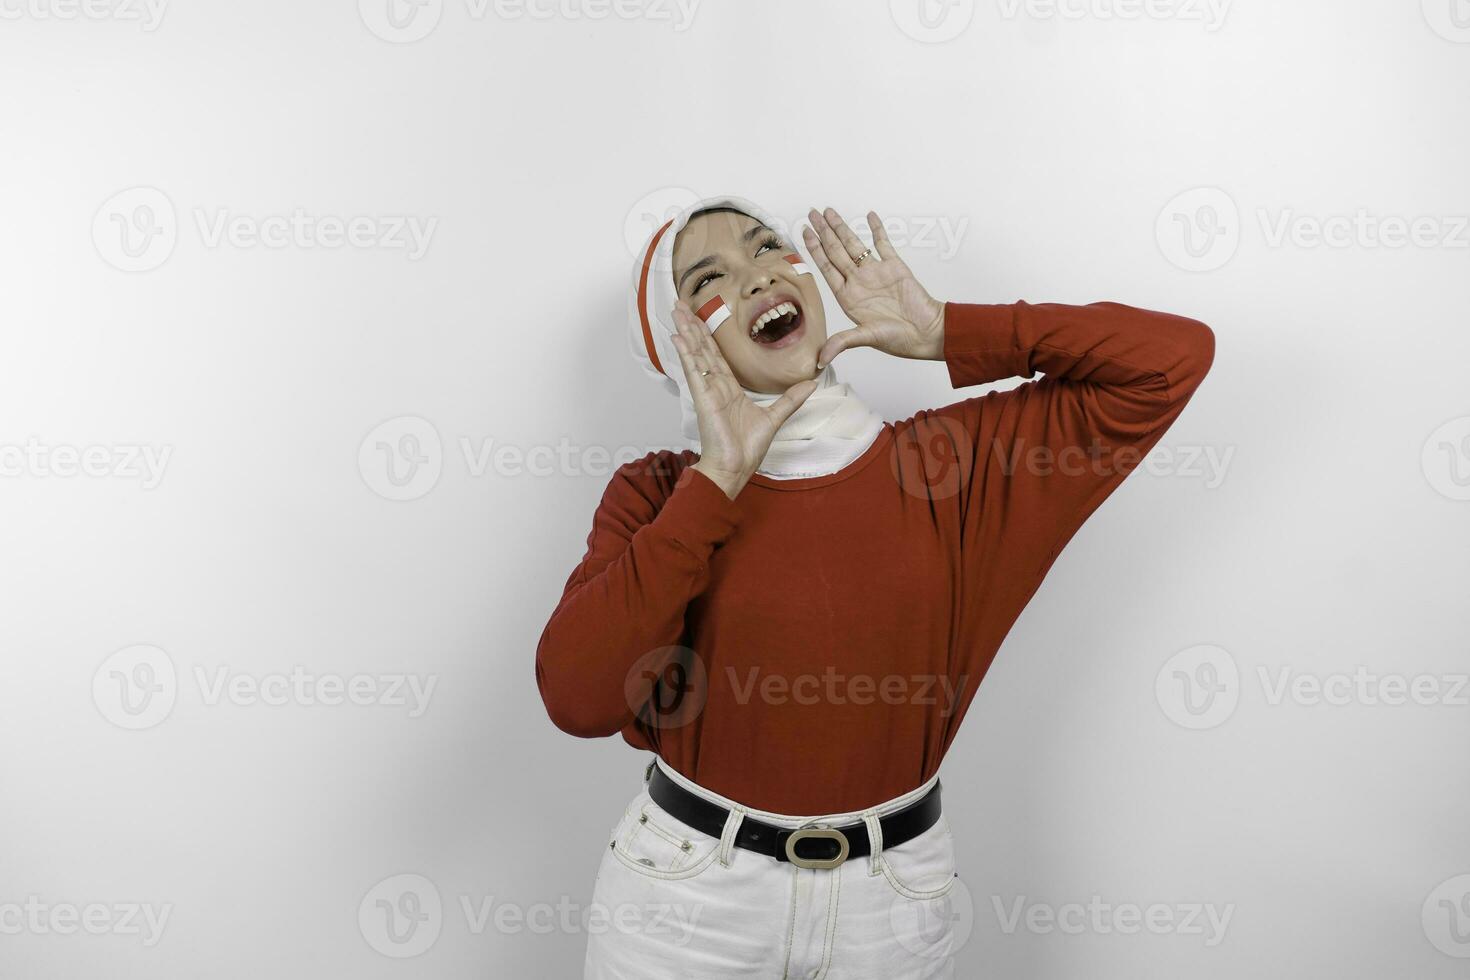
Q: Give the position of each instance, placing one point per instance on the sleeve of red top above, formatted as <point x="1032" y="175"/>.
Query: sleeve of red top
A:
<point x="647" y="557"/>
<point x="1116" y="378"/>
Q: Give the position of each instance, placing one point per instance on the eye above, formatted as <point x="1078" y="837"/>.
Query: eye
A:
<point x="705" y="280"/>
<point x="771" y="242"/>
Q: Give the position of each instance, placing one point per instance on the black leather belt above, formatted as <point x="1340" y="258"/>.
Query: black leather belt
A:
<point x="821" y="846"/>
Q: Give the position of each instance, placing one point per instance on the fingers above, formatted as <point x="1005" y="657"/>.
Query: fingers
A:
<point x="780" y="410"/>
<point x="885" y="248"/>
<point x="839" y="342"/>
<point x="835" y="279"/>
<point x="700" y="343"/>
<point x="851" y="243"/>
<point x="692" y="368"/>
<point x="702" y="365"/>
<point x="831" y="244"/>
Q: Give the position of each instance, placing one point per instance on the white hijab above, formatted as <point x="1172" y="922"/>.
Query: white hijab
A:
<point x="832" y="427"/>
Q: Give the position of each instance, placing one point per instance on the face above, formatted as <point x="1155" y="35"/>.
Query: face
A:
<point x="736" y="258"/>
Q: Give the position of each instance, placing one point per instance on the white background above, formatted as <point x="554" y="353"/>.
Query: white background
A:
<point x="1053" y="145"/>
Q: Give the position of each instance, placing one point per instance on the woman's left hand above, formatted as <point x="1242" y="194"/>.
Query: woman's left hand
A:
<point x="892" y="312"/>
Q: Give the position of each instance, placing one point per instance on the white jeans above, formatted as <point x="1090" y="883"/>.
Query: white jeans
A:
<point x="679" y="904"/>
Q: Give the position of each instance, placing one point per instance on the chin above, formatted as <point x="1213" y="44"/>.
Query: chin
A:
<point x="776" y="384"/>
<point x="797" y="364"/>
<point x="798" y="374"/>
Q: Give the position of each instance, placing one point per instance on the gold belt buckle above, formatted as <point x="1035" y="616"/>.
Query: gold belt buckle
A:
<point x="821" y="833"/>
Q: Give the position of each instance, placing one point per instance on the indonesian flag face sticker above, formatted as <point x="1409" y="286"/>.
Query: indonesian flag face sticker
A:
<point x="801" y="268"/>
<point x="713" y="313"/>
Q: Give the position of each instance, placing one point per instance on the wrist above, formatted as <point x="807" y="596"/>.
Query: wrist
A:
<point x="731" y="483"/>
<point x="934" y="333"/>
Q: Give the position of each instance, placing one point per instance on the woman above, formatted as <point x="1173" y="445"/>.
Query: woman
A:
<point x="795" y="617"/>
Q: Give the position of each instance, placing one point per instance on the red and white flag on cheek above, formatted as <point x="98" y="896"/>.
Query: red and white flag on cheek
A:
<point x="713" y="313"/>
<point x="801" y="268"/>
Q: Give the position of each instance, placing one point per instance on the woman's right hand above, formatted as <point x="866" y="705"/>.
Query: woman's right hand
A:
<point x="734" y="432"/>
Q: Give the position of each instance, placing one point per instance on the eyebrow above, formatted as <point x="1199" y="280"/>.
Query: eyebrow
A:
<point x="709" y="260"/>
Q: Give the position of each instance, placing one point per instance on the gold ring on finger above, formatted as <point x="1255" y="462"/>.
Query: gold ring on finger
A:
<point x="859" y="259"/>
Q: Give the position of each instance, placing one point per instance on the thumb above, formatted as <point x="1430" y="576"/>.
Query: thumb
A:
<point x="839" y="342"/>
<point x="782" y="408"/>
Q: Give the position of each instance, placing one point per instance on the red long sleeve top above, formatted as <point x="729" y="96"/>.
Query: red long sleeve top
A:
<point x="812" y="646"/>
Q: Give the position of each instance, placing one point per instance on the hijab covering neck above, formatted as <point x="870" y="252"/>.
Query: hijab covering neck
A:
<point x="833" y="427"/>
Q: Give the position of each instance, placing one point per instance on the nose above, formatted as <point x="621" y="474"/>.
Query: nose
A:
<point x="756" y="280"/>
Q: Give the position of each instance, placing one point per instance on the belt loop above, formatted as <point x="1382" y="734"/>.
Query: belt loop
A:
<point x="727" y="836"/>
<point x="875" y="841"/>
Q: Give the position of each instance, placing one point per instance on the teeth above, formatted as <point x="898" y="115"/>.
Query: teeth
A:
<point x="774" y="313"/>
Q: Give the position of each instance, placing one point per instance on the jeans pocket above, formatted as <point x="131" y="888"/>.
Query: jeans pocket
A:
<point x="652" y="842"/>
<point x="923" y="867"/>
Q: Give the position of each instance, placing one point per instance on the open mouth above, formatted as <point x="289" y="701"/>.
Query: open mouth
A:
<point x="778" y="326"/>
